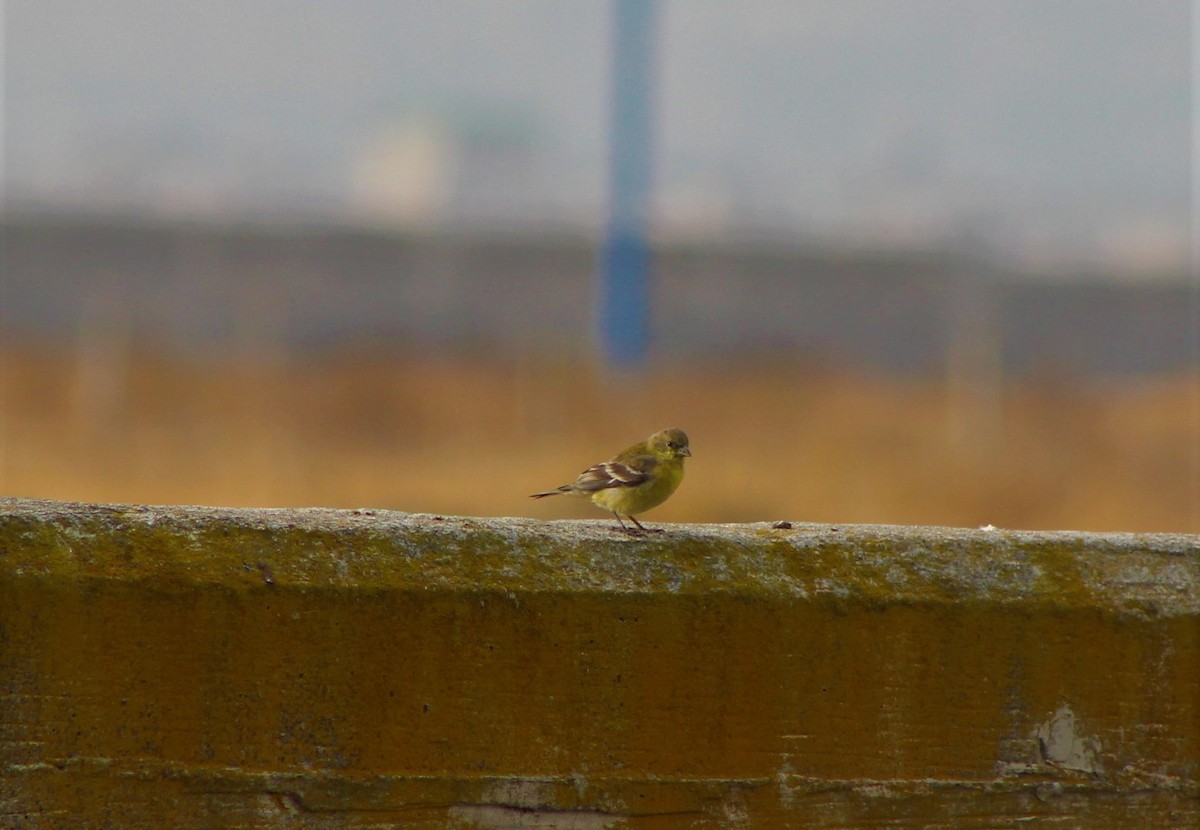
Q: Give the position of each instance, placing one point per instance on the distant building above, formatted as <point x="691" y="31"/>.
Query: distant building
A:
<point x="196" y="287"/>
<point x="430" y="170"/>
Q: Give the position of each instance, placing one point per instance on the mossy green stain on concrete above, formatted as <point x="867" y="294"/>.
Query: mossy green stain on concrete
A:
<point x="330" y="548"/>
<point x="318" y="666"/>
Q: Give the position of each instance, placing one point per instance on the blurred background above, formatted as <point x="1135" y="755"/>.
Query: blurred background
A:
<point x="917" y="261"/>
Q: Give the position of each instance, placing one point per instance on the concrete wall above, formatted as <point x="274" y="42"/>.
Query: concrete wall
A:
<point x="201" y="667"/>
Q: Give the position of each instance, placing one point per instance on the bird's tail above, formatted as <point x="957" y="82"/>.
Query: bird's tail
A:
<point x="557" y="492"/>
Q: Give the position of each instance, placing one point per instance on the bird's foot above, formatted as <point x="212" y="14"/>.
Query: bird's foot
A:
<point x="641" y="527"/>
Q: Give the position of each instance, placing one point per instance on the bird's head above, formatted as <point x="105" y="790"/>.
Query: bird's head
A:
<point x="670" y="443"/>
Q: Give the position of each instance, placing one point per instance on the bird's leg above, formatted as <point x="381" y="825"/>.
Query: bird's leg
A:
<point x="625" y="528"/>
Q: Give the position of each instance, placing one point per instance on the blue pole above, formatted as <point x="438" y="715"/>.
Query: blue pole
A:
<point x="625" y="256"/>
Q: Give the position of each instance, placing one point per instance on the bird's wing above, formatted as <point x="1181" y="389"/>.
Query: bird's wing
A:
<point x="625" y="473"/>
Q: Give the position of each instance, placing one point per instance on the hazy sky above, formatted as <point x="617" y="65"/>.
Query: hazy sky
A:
<point x="1048" y="128"/>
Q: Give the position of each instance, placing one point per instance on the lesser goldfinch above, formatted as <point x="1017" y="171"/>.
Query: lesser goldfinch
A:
<point x="643" y="476"/>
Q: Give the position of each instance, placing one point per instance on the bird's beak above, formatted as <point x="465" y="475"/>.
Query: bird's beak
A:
<point x="685" y="451"/>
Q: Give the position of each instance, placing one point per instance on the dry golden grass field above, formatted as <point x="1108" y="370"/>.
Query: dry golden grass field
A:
<point x="476" y="436"/>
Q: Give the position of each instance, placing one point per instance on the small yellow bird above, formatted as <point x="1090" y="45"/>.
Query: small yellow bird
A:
<point x="643" y="476"/>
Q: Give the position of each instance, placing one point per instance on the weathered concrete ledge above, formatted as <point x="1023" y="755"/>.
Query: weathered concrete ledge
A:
<point x="194" y="667"/>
